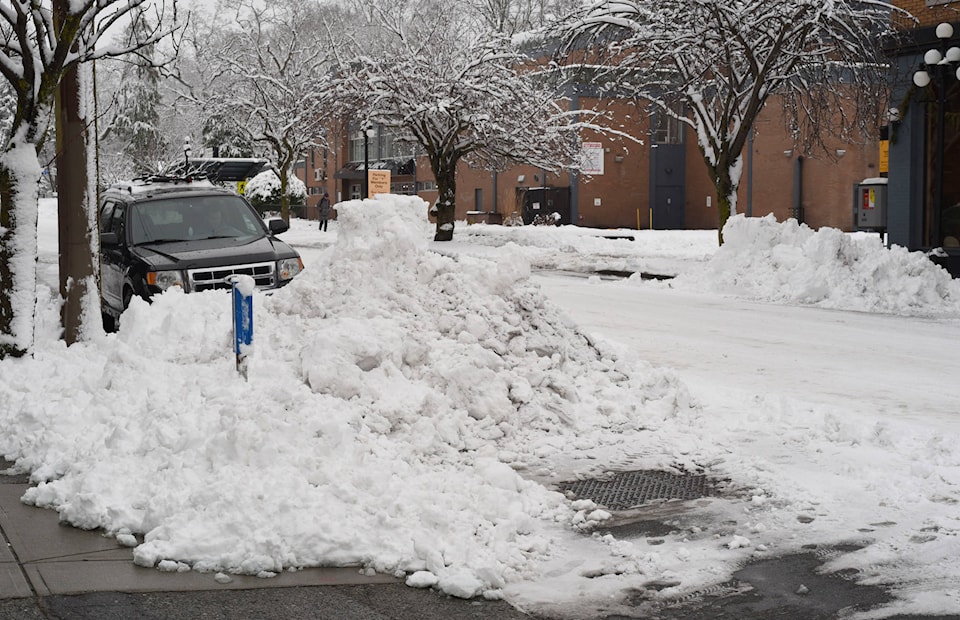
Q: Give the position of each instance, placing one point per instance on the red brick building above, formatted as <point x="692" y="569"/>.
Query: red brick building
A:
<point x="659" y="182"/>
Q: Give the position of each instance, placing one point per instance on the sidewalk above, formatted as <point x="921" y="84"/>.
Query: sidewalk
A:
<point x="49" y="570"/>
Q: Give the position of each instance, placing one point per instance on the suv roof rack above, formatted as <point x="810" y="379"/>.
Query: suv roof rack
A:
<point x="165" y="178"/>
<point x="155" y="181"/>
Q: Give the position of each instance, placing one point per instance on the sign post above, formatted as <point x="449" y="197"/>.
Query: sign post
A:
<point x="243" y="287"/>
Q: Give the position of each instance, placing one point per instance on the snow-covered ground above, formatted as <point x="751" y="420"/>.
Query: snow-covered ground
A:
<point x="411" y="407"/>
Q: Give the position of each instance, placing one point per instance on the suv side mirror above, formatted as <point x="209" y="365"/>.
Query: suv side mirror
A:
<point x="109" y="239"/>
<point x="277" y="226"/>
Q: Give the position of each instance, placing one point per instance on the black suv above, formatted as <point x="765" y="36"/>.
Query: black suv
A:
<point x="161" y="232"/>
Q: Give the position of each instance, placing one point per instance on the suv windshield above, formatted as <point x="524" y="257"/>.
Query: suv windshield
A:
<point x="188" y="218"/>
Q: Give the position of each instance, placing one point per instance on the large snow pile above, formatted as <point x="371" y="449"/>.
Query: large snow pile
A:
<point x="790" y="263"/>
<point x="393" y="395"/>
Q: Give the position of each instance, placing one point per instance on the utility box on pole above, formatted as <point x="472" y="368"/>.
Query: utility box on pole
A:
<point x="871" y="204"/>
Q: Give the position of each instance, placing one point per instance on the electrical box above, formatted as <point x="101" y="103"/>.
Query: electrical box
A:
<point x="871" y="204"/>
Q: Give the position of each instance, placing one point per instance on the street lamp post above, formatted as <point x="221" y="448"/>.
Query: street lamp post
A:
<point x="368" y="132"/>
<point x="187" y="151"/>
<point x="937" y="63"/>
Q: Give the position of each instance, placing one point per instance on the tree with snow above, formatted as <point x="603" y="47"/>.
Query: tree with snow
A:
<point x="517" y="16"/>
<point x="440" y="76"/>
<point x="265" y="79"/>
<point x="136" y="124"/>
<point x="224" y="140"/>
<point x="39" y="45"/>
<point x="265" y="190"/>
<point x="714" y="64"/>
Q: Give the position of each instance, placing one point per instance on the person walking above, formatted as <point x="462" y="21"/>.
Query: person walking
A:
<point x="324" y="211"/>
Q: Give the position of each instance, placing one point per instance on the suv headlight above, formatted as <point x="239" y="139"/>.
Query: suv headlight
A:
<point x="290" y="267"/>
<point x="165" y="279"/>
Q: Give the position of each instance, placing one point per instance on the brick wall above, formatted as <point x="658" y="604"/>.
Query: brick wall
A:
<point x="927" y="15"/>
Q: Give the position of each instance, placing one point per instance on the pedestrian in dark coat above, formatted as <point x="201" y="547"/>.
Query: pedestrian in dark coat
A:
<point x="324" y="211"/>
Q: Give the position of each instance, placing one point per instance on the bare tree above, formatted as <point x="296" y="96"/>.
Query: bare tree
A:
<point x="39" y="45"/>
<point x="516" y="16"/>
<point x="265" y="78"/>
<point x="439" y="76"/>
<point x="714" y="64"/>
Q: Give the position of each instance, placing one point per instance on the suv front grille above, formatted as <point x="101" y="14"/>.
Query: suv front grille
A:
<point x="216" y="277"/>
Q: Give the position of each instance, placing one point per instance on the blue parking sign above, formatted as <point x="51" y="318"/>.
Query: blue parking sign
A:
<point x="242" y="319"/>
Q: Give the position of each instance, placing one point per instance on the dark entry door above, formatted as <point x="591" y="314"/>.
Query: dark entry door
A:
<point x="668" y="187"/>
<point x="544" y="201"/>
<point x="668" y="211"/>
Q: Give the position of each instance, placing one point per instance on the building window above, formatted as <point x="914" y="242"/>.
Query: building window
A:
<point x="355" y="192"/>
<point x="381" y="146"/>
<point x="318" y="175"/>
<point x="356" y="147"/>
<point x="667" y="129"/>
<point x="426" y="186"/>
<point x="402" y="189"/>
<point x="390" y="148"/>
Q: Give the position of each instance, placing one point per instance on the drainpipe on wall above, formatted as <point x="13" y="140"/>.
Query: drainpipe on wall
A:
<point x="574" y="175"/>
<point x="798" y="189"/>
<point x="750" y="173"/>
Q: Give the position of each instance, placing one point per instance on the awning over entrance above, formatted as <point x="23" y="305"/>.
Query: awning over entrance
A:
<point x="354" y="170"/>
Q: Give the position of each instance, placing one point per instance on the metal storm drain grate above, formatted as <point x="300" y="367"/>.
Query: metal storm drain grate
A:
<point x="634" y="488"/>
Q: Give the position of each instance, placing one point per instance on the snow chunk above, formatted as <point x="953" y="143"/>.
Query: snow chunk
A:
<point x="422" y="579"/>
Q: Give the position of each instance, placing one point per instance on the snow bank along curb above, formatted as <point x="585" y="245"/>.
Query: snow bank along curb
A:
<point x="392" y="395"/>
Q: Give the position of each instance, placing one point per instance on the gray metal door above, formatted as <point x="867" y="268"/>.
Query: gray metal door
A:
<point x="668" y="189"/>
<point x="668" y="210"/>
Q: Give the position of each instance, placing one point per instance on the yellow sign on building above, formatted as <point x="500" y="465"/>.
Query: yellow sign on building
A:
<point x="242" y="187"/>
<point x="884" y="156"/>
<point x="378" y="182"/>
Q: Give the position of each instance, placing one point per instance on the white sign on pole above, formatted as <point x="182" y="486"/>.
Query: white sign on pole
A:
<point x="592" y="158"/>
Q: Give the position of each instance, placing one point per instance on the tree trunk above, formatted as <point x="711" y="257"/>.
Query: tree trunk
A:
<point x="76" y="225"/>
<point x="19" y="187"/>
<point x="10" y="344"/>
<point x="726" y="189"/>
<point x="445" y="173"/>
<point x="284" y="198"/>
